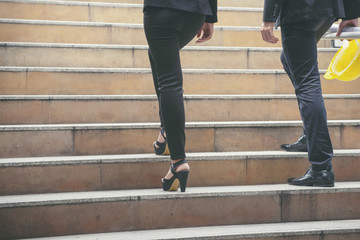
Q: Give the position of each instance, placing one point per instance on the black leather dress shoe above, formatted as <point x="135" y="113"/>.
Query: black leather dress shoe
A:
<point x="299" y="146"/>
<point x="323" y="178"/>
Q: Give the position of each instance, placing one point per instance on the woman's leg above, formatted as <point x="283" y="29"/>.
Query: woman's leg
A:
<point x="160" y="138"/>
<point x="156" y="85"/>
<point x="165" y="31"/>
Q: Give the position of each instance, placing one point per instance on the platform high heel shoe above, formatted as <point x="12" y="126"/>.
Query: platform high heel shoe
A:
<point x="162" y="148"/>
<point x="179" y="178"/>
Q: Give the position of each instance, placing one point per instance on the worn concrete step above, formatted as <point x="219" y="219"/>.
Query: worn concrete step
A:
<point x="72" y="11"/>
<point x="115" y="172"/>
<point x="110" y="12"/>
<point x="43" y="215"/>
<point x="50" y="109"/>
<point x="130" y="56"/>
<point x="41" y="80"/>
<point x="328" y="230"/>
<point x="110" y="1"/>
<point x="17" y="30"/>
<point x="227" y="3"/>
<point x="123" y="138"/>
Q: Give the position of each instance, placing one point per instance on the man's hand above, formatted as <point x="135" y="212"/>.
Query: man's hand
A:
<point x="205" y="33"/>
<point x="267" y="32"/>
<point x="347" y="23"/>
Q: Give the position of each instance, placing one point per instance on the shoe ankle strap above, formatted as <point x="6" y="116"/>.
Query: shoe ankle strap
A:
<point x="162" y="131"/>
<point x="176" y="165"/>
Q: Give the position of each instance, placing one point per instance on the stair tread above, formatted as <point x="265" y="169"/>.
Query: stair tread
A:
<point x="153" y="97"/>
<point x="109" y="24"/>
<point x="80" y="23"/>
<point x="240" y="231"/>
<point x="137" y="70"/>
<point x="79" y="126"/>
<point x="128" y="158"/>
<point x="47" y="199"/>
<point x="145" y="47"/>
<point x="254" y="3"/>
<point x="119" y="5"/>
<point x="77" y="3"/>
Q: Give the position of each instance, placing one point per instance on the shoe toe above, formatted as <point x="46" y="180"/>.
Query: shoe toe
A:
<point x="290" y="180"/>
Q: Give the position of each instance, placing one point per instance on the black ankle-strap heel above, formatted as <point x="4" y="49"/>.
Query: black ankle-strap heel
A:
<point x="179" y="178"/>
<point x="162" y="148"/>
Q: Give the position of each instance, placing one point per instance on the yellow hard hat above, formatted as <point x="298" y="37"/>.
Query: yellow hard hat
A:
<point x="345" y="65"/>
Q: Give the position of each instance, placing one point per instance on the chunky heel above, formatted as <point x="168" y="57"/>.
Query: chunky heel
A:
<point x="162" y="148"/>
<point x="183" y="177"/>
<point x="179" y="178"/>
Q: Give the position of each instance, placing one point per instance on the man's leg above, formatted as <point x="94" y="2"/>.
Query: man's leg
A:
<point x="300" y="53"/>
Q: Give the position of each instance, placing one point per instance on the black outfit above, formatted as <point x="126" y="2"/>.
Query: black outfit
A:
<point x="169" y="26"/>
<point x="303" y="22"/>
<point x="303" y="10"/>
<point x="205" y="7"/>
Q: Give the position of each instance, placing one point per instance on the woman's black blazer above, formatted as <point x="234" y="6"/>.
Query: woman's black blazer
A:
<point x="206" y="7"/>
<point x="303" y="10"/>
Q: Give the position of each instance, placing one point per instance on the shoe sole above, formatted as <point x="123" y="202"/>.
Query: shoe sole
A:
<point x="295" y="150"/>
<point x="313" y="184"/>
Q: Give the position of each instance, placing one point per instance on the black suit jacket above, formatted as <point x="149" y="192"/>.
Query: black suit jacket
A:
<point x="304" y="10"/>
<point x="206" y="7"/>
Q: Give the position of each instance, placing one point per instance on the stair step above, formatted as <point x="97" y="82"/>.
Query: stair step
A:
<point x="41" y="80"/>
<point x="25" y="216"/>
<point x="72" y="11"/>
<point x="129" y="56"/>
<point x="114" y="172"/>
<point x="49" y="109"/>
<point x="17" y="30"/>
<point x="110" y="12"/>
<point x="13" y="30"/>
<point x="122" y="138"/>
<point x="228" y="3"/>
<point x="336" y="229"/>
<point x="112" y="1"/>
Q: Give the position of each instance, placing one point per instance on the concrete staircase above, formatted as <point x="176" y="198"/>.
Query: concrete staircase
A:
<point x="78" y="117"/>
